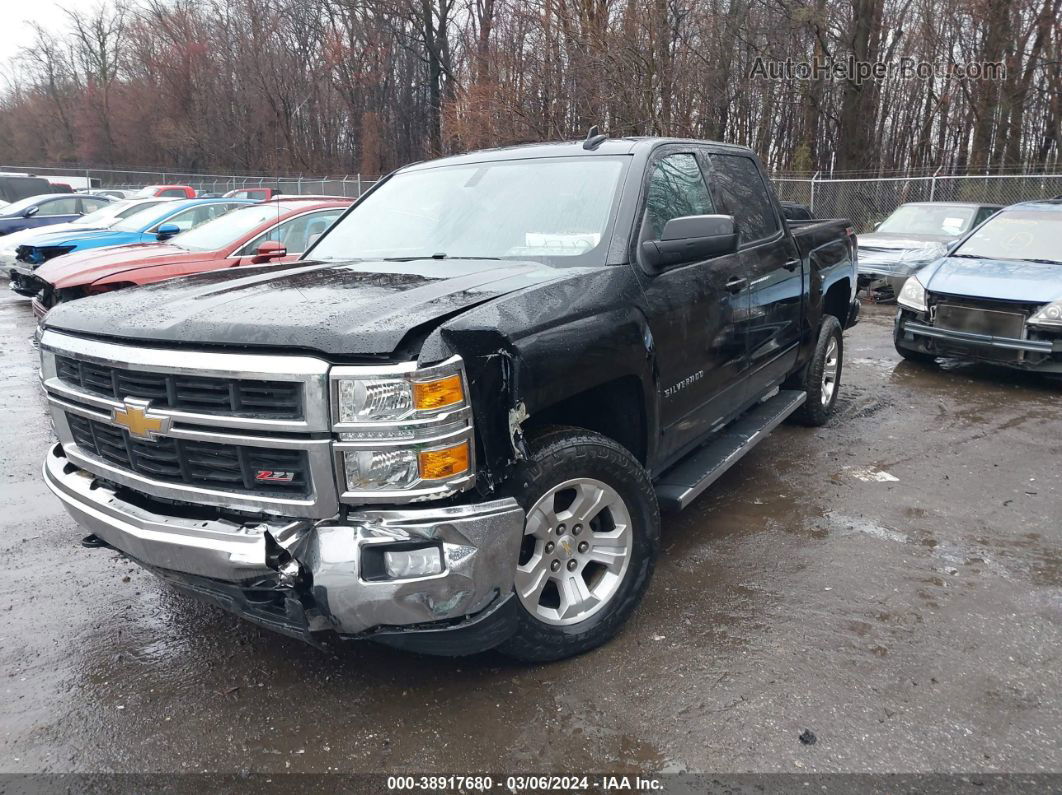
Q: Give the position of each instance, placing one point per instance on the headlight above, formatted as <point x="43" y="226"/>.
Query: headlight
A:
<point x="402" y="433"/>
<point x="391" y="399"/>
<point x="1050" y="315"/>
<point x="913" y="295"/>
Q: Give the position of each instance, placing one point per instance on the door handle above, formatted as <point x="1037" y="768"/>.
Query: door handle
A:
<point x="792" y="265"/>
<point x="736" y="284"/>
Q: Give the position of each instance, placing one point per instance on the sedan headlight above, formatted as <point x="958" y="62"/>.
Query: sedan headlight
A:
<point x="1050" y="315"/>
<point x="913" y="295"/>
<point x="402" y="433"/>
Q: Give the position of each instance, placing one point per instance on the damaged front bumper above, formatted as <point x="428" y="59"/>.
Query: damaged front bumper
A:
<point x="915" y="332"/>
<point x="317" y="580"/>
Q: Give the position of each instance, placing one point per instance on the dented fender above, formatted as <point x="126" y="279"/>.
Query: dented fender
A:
<point x="530" y="350"/>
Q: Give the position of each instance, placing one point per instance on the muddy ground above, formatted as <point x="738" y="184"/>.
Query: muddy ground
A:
<point x="892" y="582"/>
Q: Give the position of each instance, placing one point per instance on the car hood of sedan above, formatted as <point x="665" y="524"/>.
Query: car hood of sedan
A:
<point x="28" y="237"/>
<point x="61" y="238"/>
<point x="895" y="241"/>
<point x="1006" y="280"/>
<point x="85" y="267"/>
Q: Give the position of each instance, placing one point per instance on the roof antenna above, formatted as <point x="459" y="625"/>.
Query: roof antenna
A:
<point x="594" y="139"/>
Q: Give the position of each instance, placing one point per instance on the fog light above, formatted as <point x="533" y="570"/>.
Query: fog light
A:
<point x="401" y="564"/>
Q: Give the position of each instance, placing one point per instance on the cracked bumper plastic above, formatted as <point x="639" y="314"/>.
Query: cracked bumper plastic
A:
<point x="306" y="578"/>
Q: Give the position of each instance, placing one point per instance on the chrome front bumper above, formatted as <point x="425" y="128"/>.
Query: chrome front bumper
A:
<point x="313" y="567"/>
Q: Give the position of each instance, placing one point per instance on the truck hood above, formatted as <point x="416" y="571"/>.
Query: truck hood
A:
<point x="343" y="309"/>
<point x="1007" y="280"/>
<point x="85" y="267"/>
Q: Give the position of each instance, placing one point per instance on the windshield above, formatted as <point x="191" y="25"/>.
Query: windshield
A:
<point x="1017" y="234"/>
<point x="227" y="228"/>
<point x="553" y="210"/>
<point x="138" y="221"/>
<point x="926" y="219"/>
<point x="16" y="207"/>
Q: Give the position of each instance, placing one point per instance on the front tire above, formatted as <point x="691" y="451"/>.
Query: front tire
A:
<point x="822" y="376"/>
<point x="591" y="539"/>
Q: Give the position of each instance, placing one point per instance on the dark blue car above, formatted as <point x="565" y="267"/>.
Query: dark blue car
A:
<point x="46" y="209"/>
<point x="160" y="222"/>
<point x="996" y="296"/>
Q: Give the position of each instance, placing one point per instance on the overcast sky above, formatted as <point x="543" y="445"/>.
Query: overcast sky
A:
<point x="15" y="16"/>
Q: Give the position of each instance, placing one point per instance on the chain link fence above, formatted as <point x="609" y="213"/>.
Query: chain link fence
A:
<point x="864" y="201"/>
<point x="867" y="201"/>
<point x="350" y="185"/>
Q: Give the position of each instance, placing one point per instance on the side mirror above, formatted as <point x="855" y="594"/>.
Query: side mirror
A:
<point x="692" y="238"/>
<point x="269" y="250"/>
<point x="31" y="211"/>
<point x="166" y="231"/>
<point x="877" y="224"/>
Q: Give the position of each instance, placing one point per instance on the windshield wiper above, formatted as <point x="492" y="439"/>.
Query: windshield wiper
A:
<point x="967" y="256"/>
<point x="439" y="256"/>
<point x="1041" y="261"/>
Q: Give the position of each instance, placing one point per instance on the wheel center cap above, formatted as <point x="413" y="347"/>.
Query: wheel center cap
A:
<point x="565" y="545"/>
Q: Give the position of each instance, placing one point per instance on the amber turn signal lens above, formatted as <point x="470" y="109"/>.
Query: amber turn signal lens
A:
<point x="439" y="464"/>
<point x="439" y="393"/>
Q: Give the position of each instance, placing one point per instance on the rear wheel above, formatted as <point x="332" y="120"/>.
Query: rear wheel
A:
<point x="590" y="541"/>
<point x="822" y="376"/>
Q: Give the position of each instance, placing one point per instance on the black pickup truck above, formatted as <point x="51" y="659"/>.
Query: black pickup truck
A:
<point x="453" y="425"/>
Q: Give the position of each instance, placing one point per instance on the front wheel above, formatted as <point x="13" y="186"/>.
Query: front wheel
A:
<point x="822" y="376"/>
<point x="590" y="542"/>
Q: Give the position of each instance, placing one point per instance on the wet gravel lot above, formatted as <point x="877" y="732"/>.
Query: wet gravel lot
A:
<point x="891" y="582"/>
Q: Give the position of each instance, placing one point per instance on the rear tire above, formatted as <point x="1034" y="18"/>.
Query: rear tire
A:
<point x="591" y="540"/>
<point x="822" y="376"/>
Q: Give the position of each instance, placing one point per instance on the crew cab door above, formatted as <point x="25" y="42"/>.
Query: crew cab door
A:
<point x="694" y="308"/>
<point x="771" y="260"/>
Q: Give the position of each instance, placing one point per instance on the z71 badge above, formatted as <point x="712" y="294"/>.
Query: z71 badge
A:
<point x="274" y="476"/>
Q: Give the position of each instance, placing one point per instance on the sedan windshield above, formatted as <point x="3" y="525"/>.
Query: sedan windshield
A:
<point x="138" y="221"/>
<point x="553" y="210"/>
<point x="228" y="228"/>
<point x="1016" y="235"/>
<point x="928" y="219"/>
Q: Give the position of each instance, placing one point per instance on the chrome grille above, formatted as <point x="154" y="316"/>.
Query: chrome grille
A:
<point x="279" y="399"/>
<point x="229" y="419"/>
<point x="204" y="464"/>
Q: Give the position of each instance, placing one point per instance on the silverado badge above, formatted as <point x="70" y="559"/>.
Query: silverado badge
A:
<point x="135" y="416"/>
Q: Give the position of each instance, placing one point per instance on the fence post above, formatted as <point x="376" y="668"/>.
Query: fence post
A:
<point x="933" y="183"/>
<point x="811" y="206"/>
<point x="359" y="185"/>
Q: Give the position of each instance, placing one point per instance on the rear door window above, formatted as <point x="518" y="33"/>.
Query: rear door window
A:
<point x="745" y="195"/>
<point x="66" y="206"/>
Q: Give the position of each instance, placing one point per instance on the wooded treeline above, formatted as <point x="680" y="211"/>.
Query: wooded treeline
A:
<point x="344" y="86"/>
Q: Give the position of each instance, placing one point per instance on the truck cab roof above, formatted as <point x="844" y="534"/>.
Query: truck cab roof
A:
<point x="609" y="147"/>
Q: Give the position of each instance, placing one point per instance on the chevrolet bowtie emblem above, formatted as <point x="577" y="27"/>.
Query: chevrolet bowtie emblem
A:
<point x="136" y="417"/>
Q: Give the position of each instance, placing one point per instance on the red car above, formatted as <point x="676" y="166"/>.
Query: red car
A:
<point x="278" y="231"/>
<point x="258" y="194"/>
<point x="166" y="192"/>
